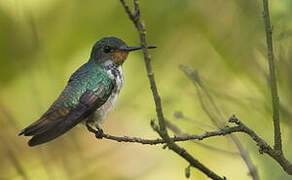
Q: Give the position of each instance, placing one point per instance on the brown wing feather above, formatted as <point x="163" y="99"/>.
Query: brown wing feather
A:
<point x="53" y="125"/>
<point x="88" y="103"/>
<point x="49" y="119"/>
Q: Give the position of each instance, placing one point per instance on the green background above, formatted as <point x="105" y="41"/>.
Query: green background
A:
<point x="43" y="42"/>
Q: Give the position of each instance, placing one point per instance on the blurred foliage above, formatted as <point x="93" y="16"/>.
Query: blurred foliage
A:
<point x="43" y="42"/>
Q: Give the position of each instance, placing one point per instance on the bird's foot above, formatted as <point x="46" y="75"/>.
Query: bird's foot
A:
<point x="98" y="133"/>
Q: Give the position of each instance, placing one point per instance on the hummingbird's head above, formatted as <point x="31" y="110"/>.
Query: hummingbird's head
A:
<point x="113" y="49"/>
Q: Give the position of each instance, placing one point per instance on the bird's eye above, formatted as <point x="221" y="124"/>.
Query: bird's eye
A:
<point x="107" y="49"/>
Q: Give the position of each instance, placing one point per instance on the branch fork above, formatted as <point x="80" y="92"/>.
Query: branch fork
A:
<point x="276" y="153"/>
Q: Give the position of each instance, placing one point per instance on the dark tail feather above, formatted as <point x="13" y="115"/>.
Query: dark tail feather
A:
<point x="44" y="125"/>
<point x="46" y="136"/>
<point x="52" y="133"/>
<point x="37" y="128"/>
<point x="55" y="124"/>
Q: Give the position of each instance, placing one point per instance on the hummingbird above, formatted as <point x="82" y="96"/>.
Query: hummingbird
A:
<point x="89" y="96"/>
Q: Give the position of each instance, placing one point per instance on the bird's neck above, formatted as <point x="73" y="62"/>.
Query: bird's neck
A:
<point x="109" y="65"/>
<point x="114" y="70"/>
<point x="106" y="65"/>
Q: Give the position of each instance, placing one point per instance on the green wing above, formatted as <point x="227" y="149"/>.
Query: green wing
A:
<point x="88" y="89"/>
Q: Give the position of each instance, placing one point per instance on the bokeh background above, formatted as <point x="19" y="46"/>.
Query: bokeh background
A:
<point x="43" y="42"/>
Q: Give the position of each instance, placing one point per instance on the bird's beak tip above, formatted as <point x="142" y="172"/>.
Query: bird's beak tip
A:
<point x="152" y="47"/>
<point x="133" y="48"/>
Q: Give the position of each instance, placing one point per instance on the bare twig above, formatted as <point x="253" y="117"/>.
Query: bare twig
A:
<point x="188" y="157"/>
<point x="218" y="122"/>
<point x="177" y="131"/>
<point x="170" y="141"/>
<point x="135" y="17"/>
<point x="161" y="130"/>
<point x="272" y="78"/>
<point x="264" y="147"/>
<point x="224" y="131"/>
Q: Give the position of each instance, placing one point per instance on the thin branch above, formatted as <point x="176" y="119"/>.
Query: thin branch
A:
<point x="193" y="75"/>
<point x="177" y="131"/>
<point x="188" y="157"/>
<point x="224" y="131"/>
<point x="272" y="78"/>
<point x="264" y="147"/>
<point x="161" y="130"/>
<point x="135" y="17"/>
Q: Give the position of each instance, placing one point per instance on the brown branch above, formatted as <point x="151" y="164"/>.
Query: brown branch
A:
<point x="188" y="157"/>
<point x="264" y="147"/>
<point x="170" y="141"/>
<point x="161" y="130"/>
<point x="193" y="75"/>
<point x="224" y="131"/>
<point x="135" y="17"/>
<point x="177" y="131"/>
<point x="272" y="78"/>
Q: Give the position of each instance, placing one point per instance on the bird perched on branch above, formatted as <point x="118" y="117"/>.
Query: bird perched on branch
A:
<point x="91" y="93"/>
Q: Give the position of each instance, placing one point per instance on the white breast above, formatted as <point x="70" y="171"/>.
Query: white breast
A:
<point x="101" y="113"/>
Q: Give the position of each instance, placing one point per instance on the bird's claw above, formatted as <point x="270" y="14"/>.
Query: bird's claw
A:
<point x="99" y="133"/>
